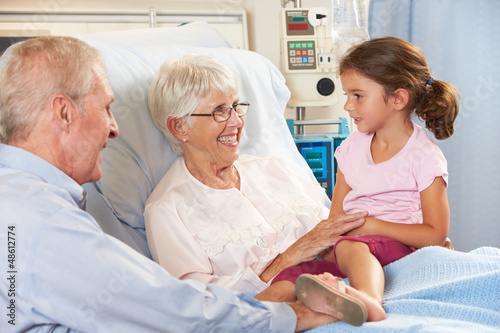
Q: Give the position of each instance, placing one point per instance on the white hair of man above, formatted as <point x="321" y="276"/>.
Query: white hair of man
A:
<point x="34" y="70"/>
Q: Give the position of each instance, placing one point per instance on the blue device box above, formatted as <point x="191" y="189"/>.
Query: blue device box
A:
<point x="318" y="150"/>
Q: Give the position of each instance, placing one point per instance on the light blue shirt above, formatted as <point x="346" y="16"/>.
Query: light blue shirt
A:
<point x="58" y="266"/>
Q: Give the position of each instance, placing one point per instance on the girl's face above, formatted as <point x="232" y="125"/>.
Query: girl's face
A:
<point x="365" y="101"/>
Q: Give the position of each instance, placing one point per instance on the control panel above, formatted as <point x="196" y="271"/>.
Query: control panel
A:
<point x="301" y="55"/>
<point x="308" y="59"/>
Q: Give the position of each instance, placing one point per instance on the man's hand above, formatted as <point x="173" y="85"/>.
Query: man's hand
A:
<point x="308" y="319"/>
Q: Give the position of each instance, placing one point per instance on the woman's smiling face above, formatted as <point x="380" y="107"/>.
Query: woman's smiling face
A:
<point x="212" y="142"/>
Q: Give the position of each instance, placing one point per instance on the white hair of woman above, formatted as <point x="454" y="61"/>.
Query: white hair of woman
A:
<point x="181" y="84"/>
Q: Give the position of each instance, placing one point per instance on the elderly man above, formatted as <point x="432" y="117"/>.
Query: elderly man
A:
<point x="60" y="267"/>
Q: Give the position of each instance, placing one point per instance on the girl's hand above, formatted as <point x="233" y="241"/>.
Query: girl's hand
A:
<point x="372" y="226"/>
<point x="447" y="244"/>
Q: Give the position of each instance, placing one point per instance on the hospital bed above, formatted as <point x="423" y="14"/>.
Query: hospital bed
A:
<point x="431" y="290"/>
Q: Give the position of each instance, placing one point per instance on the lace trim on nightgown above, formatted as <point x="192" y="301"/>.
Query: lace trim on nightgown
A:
<point x="213" y="232"/>
<point x="253" y="232"/>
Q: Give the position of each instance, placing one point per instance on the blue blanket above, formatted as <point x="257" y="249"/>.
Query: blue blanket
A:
<point x="438" y="290"/>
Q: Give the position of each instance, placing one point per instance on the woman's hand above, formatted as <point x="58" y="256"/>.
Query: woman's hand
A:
<point x="324" y="235"/>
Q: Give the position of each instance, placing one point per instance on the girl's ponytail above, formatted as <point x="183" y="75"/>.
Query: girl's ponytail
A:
<point x="439" y="108"/>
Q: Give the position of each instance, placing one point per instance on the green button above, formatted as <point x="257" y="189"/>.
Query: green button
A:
<point x="304" y="45"/>
<point x="310" y="45"/>
<point x="291" y="45"/>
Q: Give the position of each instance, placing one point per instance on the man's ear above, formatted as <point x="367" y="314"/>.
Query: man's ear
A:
<point x="176" y="126"/>
<point x="401" y="98"/>
<point x="62" y="109"/>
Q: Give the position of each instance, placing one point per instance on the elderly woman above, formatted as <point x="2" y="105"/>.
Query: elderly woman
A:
<point x="216" y="216"/>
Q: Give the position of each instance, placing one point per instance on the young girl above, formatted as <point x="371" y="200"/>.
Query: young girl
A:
<point x="389" y="168"/>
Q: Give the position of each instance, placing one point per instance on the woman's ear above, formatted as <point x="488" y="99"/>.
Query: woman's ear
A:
<point x="401" y="98"/>
<point x="176" y="127"/>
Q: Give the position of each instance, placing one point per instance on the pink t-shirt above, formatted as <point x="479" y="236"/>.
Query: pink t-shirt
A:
<point x="390" y="190"/>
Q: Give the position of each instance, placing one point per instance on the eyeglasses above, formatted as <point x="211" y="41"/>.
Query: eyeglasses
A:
<point x="223" y="113"/>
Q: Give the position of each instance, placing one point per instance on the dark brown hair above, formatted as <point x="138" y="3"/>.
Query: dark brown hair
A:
<point x="394" y="64"/>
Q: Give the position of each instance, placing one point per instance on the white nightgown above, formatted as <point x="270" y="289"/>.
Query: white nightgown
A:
<point x="229" y="237"/>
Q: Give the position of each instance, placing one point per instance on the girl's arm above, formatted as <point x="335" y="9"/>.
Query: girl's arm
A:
<point x="433" y="230"/>
<point x="337" y="208"/>
<point x="339" y="193"/>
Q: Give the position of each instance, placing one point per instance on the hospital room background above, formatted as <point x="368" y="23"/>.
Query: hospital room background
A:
<point x="460" y="41"/>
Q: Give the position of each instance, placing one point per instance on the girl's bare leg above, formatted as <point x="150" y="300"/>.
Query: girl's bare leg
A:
<point x="366" y="276"/>
<point x="365" y="273"/>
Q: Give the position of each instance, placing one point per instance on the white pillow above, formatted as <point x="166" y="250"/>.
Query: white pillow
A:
<point x="136" y="161"/>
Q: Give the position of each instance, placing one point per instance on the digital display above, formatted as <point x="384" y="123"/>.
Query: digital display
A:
<point x="313" y="155"/>
<point x="315" y="165"/>
<point x="297" y="26"/>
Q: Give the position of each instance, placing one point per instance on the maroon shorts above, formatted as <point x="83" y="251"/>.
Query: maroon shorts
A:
<point x="385" y="249"/>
